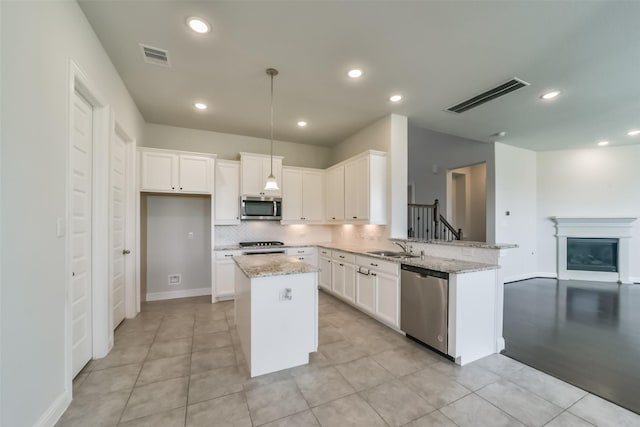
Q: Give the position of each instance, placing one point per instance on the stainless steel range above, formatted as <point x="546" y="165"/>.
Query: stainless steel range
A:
<point x="258" y="248"/>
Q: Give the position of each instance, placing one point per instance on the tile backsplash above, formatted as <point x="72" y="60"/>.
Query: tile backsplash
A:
<point x="250" y="231"/>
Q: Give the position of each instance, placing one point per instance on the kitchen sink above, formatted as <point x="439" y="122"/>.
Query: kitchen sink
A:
<point x="391" y="254"/>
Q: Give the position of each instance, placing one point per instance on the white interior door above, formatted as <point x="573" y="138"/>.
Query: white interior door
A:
<point x="118" y="227"/>
<point x="81" y="182"/>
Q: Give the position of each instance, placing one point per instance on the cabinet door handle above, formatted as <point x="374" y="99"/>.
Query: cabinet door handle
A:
<point x="333" y="217"/>
<point x="126" y="252"/>
<point x="373" y="274"/>
<point x="355" y="217"/>
<point x="228" y="255"/>
<point x="341" y="256"/>
<point x="341" y="265"/>
<point x="173" y="188"/>
<point x="300" y="252"/>
<point x="375" y="265"/>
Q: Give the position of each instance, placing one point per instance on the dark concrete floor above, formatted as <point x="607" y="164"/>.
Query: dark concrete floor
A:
<point x="585" y="333"/>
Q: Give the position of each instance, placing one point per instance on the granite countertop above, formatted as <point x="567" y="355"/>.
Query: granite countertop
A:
<point x="463" y="243"/>
<point x="271" y="265"/>
<point x="444" y="265"/>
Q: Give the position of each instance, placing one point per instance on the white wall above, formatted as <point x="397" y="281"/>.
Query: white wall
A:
<point x="38" y="40"/>
<point x="603" y="181"/>
<point x="516" y="192"/>
<point x="227" y="146"/>
<point x="169" y="221"/>
<point x="428" y="148"/>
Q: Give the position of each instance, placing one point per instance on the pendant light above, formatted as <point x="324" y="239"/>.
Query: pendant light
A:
<point x="271" y="183"/>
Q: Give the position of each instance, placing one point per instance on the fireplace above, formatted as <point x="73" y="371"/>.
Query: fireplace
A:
<point x="594" y="248"/>
<point x="585" y="254"/>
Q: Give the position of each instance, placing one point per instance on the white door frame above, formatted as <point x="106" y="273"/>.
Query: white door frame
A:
<point x="102" y="338"/>
<point x="131" y="293"/>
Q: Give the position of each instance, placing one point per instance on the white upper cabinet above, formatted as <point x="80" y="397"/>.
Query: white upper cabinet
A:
<point x="227" y="192"/>
<point x="194" y="174"/>
<point x="302" y="195"/>
<point x="256" y="168"/>
<point x="335" y="194"/>
<point x="175" y="172"/>
<point x="159" y="171"/>
<point x="357" y="190"/>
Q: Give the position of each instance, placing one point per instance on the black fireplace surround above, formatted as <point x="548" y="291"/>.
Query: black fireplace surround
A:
<point x="592" y="254"/>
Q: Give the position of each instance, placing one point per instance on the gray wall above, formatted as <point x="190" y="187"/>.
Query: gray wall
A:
<point x="428" y="148"/>
<point x="227" y="146"/>
<point x="169" y="250"/>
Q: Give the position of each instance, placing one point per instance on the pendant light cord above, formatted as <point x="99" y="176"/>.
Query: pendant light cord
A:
<point x="271" y="146"/>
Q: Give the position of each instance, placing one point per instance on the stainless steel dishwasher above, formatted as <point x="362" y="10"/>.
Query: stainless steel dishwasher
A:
<point x="424" y="306"/>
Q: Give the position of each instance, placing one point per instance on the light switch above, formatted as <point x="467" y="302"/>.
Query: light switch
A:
<point x="190" y="235"/>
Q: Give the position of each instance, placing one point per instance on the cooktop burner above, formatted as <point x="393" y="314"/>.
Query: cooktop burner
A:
<point x="246" y="244"/>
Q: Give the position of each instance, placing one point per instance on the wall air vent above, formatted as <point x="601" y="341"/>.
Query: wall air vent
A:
<point x="154" y="55"/>
<point x="498" y="91"/>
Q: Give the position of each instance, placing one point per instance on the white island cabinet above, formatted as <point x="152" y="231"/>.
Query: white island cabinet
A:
<point x="276" y="311"/>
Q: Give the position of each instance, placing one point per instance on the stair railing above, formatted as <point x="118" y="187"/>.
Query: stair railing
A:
<point x="426" y="223"/>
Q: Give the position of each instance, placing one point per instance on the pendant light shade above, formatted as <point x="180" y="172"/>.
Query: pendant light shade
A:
<point x="271" y="183"/>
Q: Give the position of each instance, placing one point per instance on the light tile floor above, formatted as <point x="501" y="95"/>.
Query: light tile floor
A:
<point x="179" y="363"/>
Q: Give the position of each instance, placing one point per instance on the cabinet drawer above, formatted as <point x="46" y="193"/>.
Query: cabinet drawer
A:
<point x="324" y="252"/>
<point x="379" y="265"/>
<point x="226" y="254"/>
<point x="344" y="257"/>
<point x="309" y="250"/>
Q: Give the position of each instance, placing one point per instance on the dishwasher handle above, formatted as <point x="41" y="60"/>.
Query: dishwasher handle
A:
<point x="424" y="272"/>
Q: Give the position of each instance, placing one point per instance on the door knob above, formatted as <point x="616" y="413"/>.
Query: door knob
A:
<point x="126" y="252"/>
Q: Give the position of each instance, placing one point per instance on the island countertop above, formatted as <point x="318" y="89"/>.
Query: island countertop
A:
<point x="271" y="265"/>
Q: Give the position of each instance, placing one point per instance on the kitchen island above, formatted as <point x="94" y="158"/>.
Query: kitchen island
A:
<point x="276" y="311"/>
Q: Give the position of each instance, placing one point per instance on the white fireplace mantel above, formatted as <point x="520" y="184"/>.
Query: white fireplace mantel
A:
<point x="595" y="227"/>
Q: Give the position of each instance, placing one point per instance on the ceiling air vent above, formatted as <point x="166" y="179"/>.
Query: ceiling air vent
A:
<point x="498" y="91"/>
<point x="154" y="55"/>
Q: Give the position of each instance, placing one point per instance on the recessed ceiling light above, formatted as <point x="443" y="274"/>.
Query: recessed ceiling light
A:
<point x="198" y="25"/>
<point x="395" y="98"/>
<point x="603" y="143"/>
<point x="550" y="95"/>
<point x="354" y="73"/>
<point x="633" y="132"/>
<point x="200" y="106"/>
<point x="302" y="123"/>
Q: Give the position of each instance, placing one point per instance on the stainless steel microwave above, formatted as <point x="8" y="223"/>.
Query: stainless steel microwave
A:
<point x="263" y="208"/>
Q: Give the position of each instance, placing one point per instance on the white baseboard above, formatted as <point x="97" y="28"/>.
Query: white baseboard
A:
<point x="55" y="411"/>
<point x="184" y="293"/>
<point x="635" y="279"/>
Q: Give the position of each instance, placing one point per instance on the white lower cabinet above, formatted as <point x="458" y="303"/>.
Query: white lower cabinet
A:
<point x="378" y="289"/>
<point x="343" y="273"/>
<point x="305" y="254"/>
<point x="366" y="290"/>
<point x="388" y="298"/>
<point x="324" y="264"/>
<point x="371" y="284"/>
<point x="225" y="277"/>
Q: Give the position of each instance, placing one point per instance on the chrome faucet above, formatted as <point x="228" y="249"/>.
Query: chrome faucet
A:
<point x="404" y="247"/>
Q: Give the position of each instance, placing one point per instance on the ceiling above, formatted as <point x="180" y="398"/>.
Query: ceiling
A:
<point x="436" y="54"/>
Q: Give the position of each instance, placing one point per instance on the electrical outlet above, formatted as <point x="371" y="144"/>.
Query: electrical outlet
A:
<point x="285" y="294"/>
<point x="175" y="279"/>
